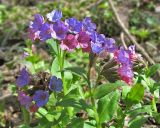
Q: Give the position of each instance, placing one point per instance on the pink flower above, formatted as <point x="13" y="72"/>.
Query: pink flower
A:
<point x="126" y="74"/>
<point x="69" y="43"/>
<point x="84" y="41"/>
<point x="33" y="35"/>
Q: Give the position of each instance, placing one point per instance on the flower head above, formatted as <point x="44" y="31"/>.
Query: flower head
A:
<point x="110" y="45"/>
<point x="55" y="84"/>
<point x="23" y="79"/>
<point x="126" y="74"/>
<point x="88" y="25"/>
<point x="84" y="41"/>
<point x="123" y="57"/>
<point x="69" y="43"/>
<point x="41" y="97"/>
<point x="45" y="32"/>
<point x="97" y="42"/>
<point x="60" y="30"/>
<point x="54" y="16"/>
<point x="24" y="99"/>
<point x="74" y="25"/>
<point x="132" y="52"/>
<point x="37" y="23"/>
<point x="33" y="34"/>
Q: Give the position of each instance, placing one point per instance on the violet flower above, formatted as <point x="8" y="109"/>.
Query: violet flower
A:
<point x="60" y="30"/>
<point x="55" y="84"/>
<point x="23" y="79"/>
<point x="41" y="98"/>
<point x="24" y="99"/>
<point x="54" y="16"/>
<point x="74" y="25"/>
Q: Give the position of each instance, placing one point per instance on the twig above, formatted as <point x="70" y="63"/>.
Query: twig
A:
<point x="123" y="42"/>
<point x="126" y="31"/>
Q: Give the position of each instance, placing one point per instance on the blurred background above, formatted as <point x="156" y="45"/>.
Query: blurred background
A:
<point x="141" y="18"/>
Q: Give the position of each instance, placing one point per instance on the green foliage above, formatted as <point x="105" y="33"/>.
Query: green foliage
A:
<point x="135" y="95"/>
<point x="107" y="106"/>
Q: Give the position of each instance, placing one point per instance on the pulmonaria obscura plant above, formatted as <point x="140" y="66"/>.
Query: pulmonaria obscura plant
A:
<point x="79" y="102"/>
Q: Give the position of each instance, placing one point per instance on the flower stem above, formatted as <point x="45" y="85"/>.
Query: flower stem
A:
<point x="90" y="91"/>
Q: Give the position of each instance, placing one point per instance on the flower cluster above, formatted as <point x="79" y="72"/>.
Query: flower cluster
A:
<point x="125" y="59"/>
<point x="73" y="34"/>
<point x="40" y="95"/>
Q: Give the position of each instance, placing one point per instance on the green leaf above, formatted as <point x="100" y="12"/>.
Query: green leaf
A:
<point x="104" y="89"/>
<point x="145" y="109"/>
<point x="42" y="111"/>
<point x="26" y="116"/>
<point x="76" y="123"/>
<point x="107" y="106"/>
<point x="153" y="69"/>
<point x="52" y="45"/>
<point x="77" y="70"/>
<point x="72" y="102"/>
<point x="55" y="70"/>
<point x="135" y="95"/>
<point x="137" y="122"/>
<point x="50" y="117"/>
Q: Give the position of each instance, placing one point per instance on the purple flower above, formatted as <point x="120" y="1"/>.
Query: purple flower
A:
<point x="133" y="54"/>
<point x="54" y="16"/>
<point x="69" y="43"/>
<point x="24" y="99"/>
<point x="84" y="41"/>
<point x="88" y="25"/>
<point x="97" y="42"/>
<point x="123" y="57"/>
<point x="35" y="26"/>
<point x="23" y="79"/>
<point x="60" y="30"/>
<point x="110" y="45"/>
<point x="74" y="25"/>
<point x="37" y="23"/>
<point x="55" y="84"/>
<point x="41" y="97"/>
<point x="33" y="34"/>
<point x="45" y="32"/>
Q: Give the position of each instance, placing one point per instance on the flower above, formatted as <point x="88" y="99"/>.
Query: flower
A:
<point x="37" y="23"/>
<point x="133" y="54"/>
<point x="69" y="43"/>
<point x="84" y="41"/>
<point x="55" y="84"/>
<point x="41" y="97"/>
<point x="97" y="42"/>
<point x="88" y="25"/>
<point x="24" y="99"/>
<point x="110" y="45"/>
<point x="33" y="108"/>
<point x="60" y="30"/>
<point x="54" y="16"/>
<point x="74" y="25"/>
<point x="45" y="32"/>
<point x="35" y="26"/>
<point x="126" y="74"/>
<point x="23" y="79"/>
<point x="33" y="34"/>
<point x="123" y="57"/>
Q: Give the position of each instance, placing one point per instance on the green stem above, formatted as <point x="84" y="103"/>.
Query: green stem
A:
<point x="153" y="104"/>
<point x="92" y="99"/>
<point x="61" y="58"/>
<point x="26" y="116"/>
